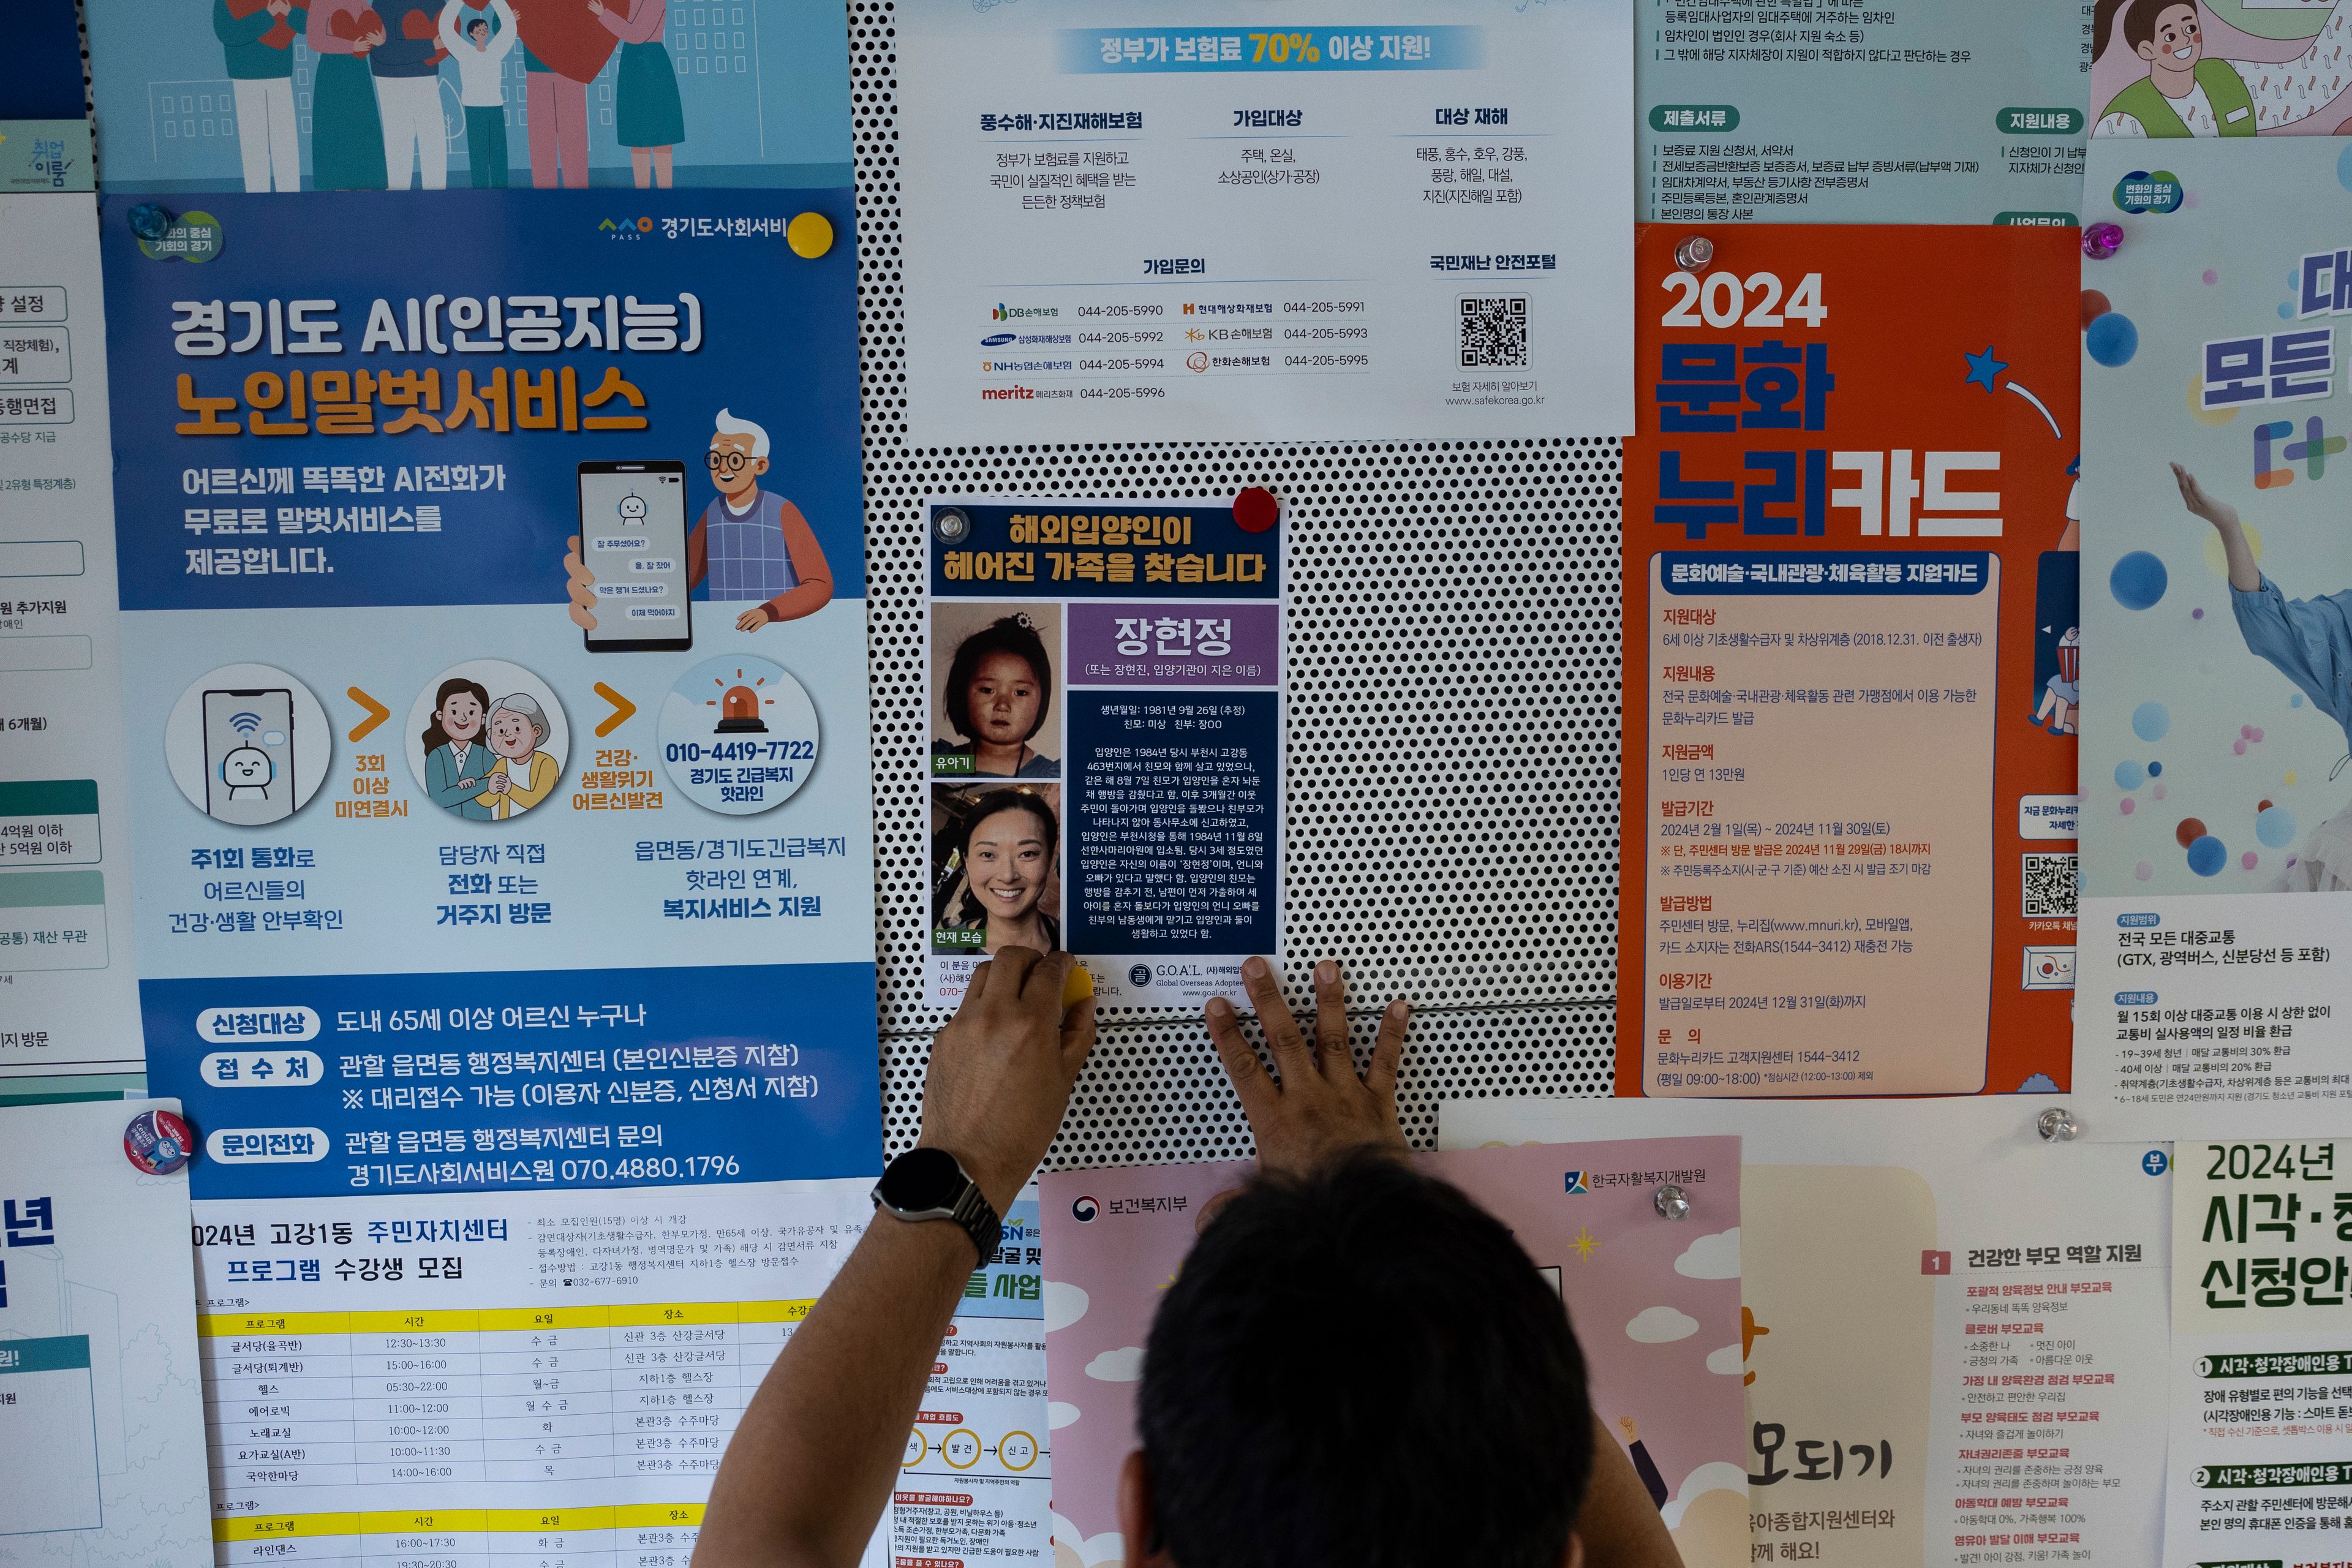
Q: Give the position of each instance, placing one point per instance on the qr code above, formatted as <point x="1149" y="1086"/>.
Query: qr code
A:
<point x="2052" y="882"/>
<point x="1494" y="331"/>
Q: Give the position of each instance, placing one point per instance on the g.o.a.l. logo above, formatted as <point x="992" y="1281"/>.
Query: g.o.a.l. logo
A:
<point x="1083" y="1211"/>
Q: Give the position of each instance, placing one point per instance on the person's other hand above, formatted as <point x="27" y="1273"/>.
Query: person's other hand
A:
<point x="752" y="619"/>
<point x="1000" y="1071"/>
<point x="2219" y="513"/>
<point x="1321" y="1107"/>
<point x="580" y="583"/>
<point x="1632" y="1433"/>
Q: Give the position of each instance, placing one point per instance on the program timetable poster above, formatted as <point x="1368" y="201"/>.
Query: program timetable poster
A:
<point x="1107" y="751"/>
<point x="101" y="1410"/>
<point x="2217" y="883"/>
<point x="1853" y="667"/>
<point x="1211" y="222"/>
<point x="1908" y="1287"/>
<point x="322" y="95"/>
<point x="1654" y="1303"/>
<point x="1911" y="111"/>
<point x="69" y="977"/>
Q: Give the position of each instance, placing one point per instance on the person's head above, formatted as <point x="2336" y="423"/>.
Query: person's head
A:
<point x="1361" y="1367"/>
<point x="459" y="709"/>
<point x="478" y="29"/>
<point x="2168" y="33"/>
<point x="1009" y="844"/>
<point x="517" y="726"/>
<point x="1000" y="685"/>
<point x="738" y="456"/>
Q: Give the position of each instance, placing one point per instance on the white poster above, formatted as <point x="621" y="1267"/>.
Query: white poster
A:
<point x="1207" y="223"/>
<point x="102" y="1409"/>
<point x="68" y="991"/>
<point x="1950" y="1329"/>
<point x="2260" y="1470"/>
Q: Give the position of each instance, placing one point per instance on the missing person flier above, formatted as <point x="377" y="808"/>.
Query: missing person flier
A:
<point x="1106" y="741"/>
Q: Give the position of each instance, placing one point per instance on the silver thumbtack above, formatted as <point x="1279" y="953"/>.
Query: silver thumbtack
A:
<point x="2057" y="1125"/>
<point x="1671" y="1202"/>
<point x="1695" y="253"/>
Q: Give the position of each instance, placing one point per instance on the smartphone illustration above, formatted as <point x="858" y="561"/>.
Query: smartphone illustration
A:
<point x="632" y="539"/>
<point x="249" y="756"/>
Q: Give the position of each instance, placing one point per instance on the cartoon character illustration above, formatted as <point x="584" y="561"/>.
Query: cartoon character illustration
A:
<point x="2187" y="92"/>
<point x="346" y="132"/>
<point x="555" y="115"/>
<point x="633" y="510"/>
<point x="247" y="771"/>
<point x="648" y="118"/>
<point x="749" y="544"/>
<point x="457" y="763"/>
<point x="407" y="67"/>
<point x="257" y="40"/>
<point x="2062" y="695"/>
<point x="1644" y="1466"/>
<point x="516" y="728"/>
<point x="480" y="50"/>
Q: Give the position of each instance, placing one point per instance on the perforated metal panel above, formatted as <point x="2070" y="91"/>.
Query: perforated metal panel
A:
<point x="1452" y="805"/>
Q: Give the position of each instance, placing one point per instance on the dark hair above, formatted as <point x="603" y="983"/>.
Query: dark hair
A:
<point x="995" y="803"/>
<point x="2138" y="21"/>
<point x="481" y="22"/>
<point x="1008" y="634"/>
<point x="1362" y="1367"/>
<point x="434" y="734"/>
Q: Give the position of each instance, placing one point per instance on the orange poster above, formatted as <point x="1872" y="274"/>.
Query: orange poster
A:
<point x="1851" y="663"/>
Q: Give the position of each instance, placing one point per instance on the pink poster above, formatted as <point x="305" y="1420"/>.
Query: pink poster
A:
<point x="1656" y="1302"/>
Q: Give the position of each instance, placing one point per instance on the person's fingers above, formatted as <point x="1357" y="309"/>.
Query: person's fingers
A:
<point x="1388" y="1052"/>
<point x="1213" y="1208"/>
<point x="1012" y="967"/>
<point x="1247" y="1074"/>
<point x="1333" y="1055"/>
<point x="1282" y="1035"/>
<point x="581" y="617"/>
<point x="977" y="986"/>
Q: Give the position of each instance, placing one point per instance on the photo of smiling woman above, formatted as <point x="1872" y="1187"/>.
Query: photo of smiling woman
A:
<point x="993" y="691"/>
<point x="995" y="873"/>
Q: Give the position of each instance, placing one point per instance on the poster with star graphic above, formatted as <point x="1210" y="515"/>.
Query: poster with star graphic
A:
<point x="1654" y="1301"/>
<point x="2217" y="833"/>
<point x="1852" y="664"/>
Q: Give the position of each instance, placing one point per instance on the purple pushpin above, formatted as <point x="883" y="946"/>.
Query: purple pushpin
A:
<point x="2101" y="240"/>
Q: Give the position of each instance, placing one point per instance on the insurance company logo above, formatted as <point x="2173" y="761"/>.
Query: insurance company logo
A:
<point x="1083" y="1211"/>
<point x="995" y="339"/>
<point x="1023" y="313"/>
<point x="1575" y="1182"/>
<point x="1005" y="393"/>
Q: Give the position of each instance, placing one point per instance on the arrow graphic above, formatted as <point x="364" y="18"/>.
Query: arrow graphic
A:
<point x="376" y="713"/>
<point x="621" y="708"/>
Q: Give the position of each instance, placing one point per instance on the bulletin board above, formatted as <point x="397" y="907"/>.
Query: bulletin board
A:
<point x="1452" y="763"/>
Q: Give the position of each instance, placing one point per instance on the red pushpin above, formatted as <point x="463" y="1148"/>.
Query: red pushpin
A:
<point x="1255" y="509"/>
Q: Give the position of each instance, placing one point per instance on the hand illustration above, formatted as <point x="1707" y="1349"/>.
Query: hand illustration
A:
<point x="752" y="619"/>
<point x="581" y="584"/>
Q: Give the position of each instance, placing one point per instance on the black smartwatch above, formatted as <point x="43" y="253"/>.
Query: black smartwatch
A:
<point x="930" y="1184"/>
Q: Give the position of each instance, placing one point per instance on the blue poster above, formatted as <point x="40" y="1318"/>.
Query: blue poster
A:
<point x="327" y="95"/>
<point x="493" y="600"/>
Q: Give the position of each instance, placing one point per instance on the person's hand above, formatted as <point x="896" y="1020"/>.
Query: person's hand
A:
<point x="752" y="619"/>
<point x="1320" y="1109"/>
<point x="1632" y="1433"/>
<point x="2219" y="513"/>
<point x="1000" y="1071"/>
<point x="500" y="784"/>
<point x="580" y="583"/>
<point x="594" y="8"/>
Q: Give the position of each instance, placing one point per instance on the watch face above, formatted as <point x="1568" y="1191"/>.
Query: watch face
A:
<point x="922" y="1179"/>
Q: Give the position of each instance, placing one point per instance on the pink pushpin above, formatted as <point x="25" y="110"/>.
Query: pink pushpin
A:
<point x="2101" y="240"/>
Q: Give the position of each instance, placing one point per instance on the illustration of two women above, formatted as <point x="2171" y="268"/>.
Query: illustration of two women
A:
<point x="482" y="759"/>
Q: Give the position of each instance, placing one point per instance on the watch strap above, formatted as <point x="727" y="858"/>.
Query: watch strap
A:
<point x="968" y="1207"/>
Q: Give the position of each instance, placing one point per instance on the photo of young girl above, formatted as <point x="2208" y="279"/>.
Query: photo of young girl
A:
<point x="995" y="870"/>
<point x="992" y="690"/>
